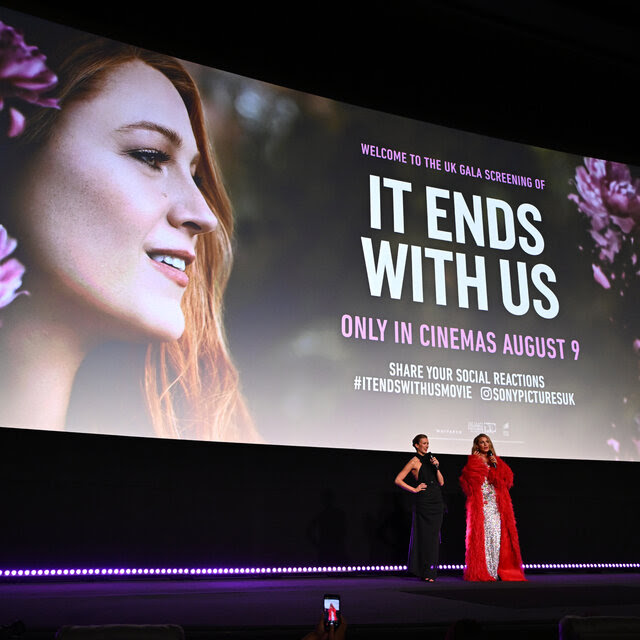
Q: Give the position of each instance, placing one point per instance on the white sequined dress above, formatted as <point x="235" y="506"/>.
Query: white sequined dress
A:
<point x="491" y="528"/>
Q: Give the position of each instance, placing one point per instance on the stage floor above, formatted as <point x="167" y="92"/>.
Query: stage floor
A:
<point x="288" y="607"/>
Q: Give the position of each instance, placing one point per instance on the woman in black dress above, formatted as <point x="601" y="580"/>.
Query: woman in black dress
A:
<point x="428" y="509"/>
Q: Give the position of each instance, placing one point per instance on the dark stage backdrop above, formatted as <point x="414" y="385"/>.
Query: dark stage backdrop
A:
<point x="86" y="499"/>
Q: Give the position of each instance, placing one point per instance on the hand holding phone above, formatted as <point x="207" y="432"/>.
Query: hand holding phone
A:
<point x="332" y="613"/>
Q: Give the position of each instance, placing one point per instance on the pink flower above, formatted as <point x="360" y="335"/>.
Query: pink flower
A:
<point x="610" y="198"/>
<point x="607" y="193"/>
<point x="11" y="271"/>
<point x="23" y="76"/>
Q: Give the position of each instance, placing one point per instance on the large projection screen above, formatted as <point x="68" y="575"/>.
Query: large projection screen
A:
<point x="390" y="277"/>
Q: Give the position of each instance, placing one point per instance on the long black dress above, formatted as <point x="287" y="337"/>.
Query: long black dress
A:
<point x="428" y="509"/>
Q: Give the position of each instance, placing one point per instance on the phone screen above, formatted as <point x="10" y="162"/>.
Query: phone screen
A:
<point x="331" y="606"/>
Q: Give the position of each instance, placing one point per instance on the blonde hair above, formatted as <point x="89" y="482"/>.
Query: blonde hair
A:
<point x="191" y="385"/>
<point x="474" y="448"/>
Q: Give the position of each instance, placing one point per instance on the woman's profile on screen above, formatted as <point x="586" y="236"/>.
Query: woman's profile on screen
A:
<point x="124" y="230"/>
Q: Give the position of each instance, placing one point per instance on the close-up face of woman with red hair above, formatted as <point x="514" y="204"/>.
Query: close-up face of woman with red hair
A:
<point x="123" y="227"/>
<point x="110" y="211"/>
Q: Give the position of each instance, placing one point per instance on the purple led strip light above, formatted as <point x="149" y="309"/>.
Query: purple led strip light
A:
<point x="272" y="571"/>
<point x="203" y="572"/>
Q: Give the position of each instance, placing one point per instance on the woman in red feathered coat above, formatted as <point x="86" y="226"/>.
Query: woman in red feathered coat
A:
<point x="492" y="547"/>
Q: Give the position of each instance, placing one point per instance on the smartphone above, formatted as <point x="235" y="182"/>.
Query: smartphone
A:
<point x="331" y="606"/>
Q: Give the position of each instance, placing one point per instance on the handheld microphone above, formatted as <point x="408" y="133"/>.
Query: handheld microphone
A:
<point x="437" y="466"/>
<point x="491" y="464"/>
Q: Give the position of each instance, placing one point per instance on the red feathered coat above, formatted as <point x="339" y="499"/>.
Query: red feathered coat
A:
<point x="501" y="477"/>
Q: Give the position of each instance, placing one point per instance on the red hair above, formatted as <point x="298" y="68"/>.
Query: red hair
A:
<point x="191" y="385"/>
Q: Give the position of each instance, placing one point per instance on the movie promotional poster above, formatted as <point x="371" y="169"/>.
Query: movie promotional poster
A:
<point x="189" y="253"/>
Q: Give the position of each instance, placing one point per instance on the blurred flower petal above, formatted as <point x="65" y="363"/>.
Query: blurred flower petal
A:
<point x="625" y="224"/>
<point x="600" y="278"/>
<point x="11" y="271"/>
<point x="23" y="76"/>
<point x="16" y="126"/>
<point x="7" y="244"/>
